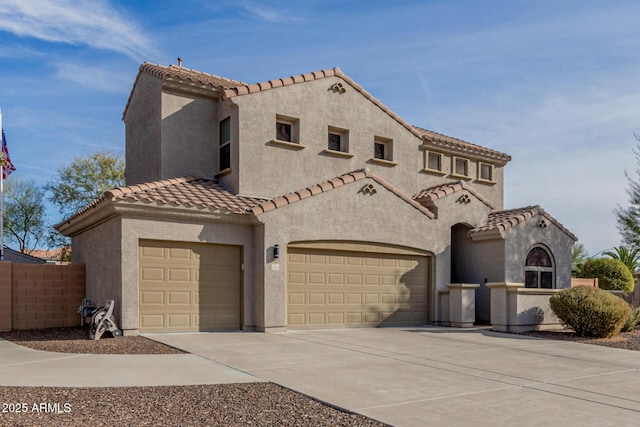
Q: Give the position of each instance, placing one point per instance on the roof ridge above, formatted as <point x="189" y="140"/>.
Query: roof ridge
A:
<point x="336" y="182"/>
<point x="247" y="88"/>
<point x="155" y="70"/>
<point x="121" y="191"/>
<point x="442" y="188"/>
<point x="441" y="138"/>
<point x="500" y="221"/>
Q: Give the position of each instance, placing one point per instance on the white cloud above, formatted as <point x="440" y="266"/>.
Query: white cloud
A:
<point x="91" y="22"/>
<point x="94" y="77"/>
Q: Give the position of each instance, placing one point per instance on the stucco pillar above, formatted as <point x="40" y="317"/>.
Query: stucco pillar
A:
<point x="500" y="304"/>
<point x="462" y="304"/>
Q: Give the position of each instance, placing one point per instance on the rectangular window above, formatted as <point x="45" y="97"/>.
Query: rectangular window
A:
<point x="378" y="150"/>
<point x="338" y="140"/>
<point x="283" y="131"/>
<point x="434" y="161"/>
<point x="225" y="144"/>
<point x="485" y="172"/>
<point x="334" y="141"/>
<point x="460" y="167"/>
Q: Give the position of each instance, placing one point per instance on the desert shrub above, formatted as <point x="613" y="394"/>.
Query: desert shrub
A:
<point x="633" y="320"/>
<point x="612" y="274"/>
<point x="591" y="312"/>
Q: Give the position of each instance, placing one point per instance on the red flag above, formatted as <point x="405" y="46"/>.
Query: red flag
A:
<point x="7" y="166"/>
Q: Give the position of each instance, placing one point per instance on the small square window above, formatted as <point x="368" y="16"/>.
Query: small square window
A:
<point x="382" y="148"/>
<point x="485" y="172"/>
<point x="287" y="129"/>
<point x="461" y="167"/>
<point x="338" y="140"/>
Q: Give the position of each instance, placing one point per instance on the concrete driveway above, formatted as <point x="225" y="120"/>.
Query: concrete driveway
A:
<point x="438" y="376"/>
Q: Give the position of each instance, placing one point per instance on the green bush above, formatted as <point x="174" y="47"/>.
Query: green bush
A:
<point x="612" y="274"/>
<point x="633" y="320"/>
<point x="591" y="312"/>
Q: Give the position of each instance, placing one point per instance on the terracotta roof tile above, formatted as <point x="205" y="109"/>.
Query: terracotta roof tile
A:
<point x="51" y="254"/>
<point x="337" y="182"/>
<point x="230" y="88"/>
<point x="186" y="191"/>
<point x="447" y="142"/>
<point x="503" y="220"/>
<point x="432" y="194"/>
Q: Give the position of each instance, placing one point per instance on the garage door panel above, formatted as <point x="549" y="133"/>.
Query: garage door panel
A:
<point x="328" y="288"/>
<point x="335" y="298"/>
<point x="354" y="298"/>
<point x="149" y="321"/>
<point x="182" y="290"/>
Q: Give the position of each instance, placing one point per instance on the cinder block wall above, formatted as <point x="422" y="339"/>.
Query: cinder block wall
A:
<point x="40" y="296"/>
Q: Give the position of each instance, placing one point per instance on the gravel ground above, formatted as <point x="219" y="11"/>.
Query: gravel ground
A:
<point x="626" y="340"/>
<point x="76" y="340"/>
<point x="253" y="404"/>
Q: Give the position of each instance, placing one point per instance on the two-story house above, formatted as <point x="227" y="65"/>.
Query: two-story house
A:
<point x="301" y="202"/>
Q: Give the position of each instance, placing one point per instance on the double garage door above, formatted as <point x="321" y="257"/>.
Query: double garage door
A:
<point x="342" y="288"/>
<point x="189" y="286"/>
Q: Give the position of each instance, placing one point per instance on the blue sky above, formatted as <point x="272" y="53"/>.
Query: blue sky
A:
<point x="552" y="83"/>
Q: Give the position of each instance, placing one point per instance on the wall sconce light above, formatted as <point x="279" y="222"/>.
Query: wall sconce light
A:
<point x="276" y="251"/>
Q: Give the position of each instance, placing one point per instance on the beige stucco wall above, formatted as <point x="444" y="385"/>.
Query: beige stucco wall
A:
<point x="99" y="248"/>
<point x="143" y="131"/>
<point x="515" y="308"/>
<point x="494" y="193"/>
<point x="189" y="135"/>
<point x="270" y="170"/>
<point x="110" y="251"/>
<point x="520" y="239"/>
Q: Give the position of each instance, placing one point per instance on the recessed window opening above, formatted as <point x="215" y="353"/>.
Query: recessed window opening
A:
<point x="485" y="172"/>
<point x="338" y="140"/>
<point x="287" y="129"/>
<point x="539" y="269"/>
<point x="461" y="167"/>
<point x="434" y="161"/>
<point x="382" y="148"/>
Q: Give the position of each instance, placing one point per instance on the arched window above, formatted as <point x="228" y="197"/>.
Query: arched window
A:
<point x="539" y="269"/>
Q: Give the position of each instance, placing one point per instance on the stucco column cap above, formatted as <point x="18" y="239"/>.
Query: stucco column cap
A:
<point x="463" y="285"/>
<point x="505" y="285"/>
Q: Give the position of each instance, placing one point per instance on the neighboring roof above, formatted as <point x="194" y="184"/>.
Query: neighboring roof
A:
<point x="21" y="258"/>
<point x="50" y="254"/>
<point x="228" y="88"/>
<point x="325" y="186"/>
<point x="448" y="143"/>
<point x="503" y="220"/>
<point x="432" y="194"/>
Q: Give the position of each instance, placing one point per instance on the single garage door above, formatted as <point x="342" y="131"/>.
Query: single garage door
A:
<point x="334" y="288"/>
<point x="189" y="286"/>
